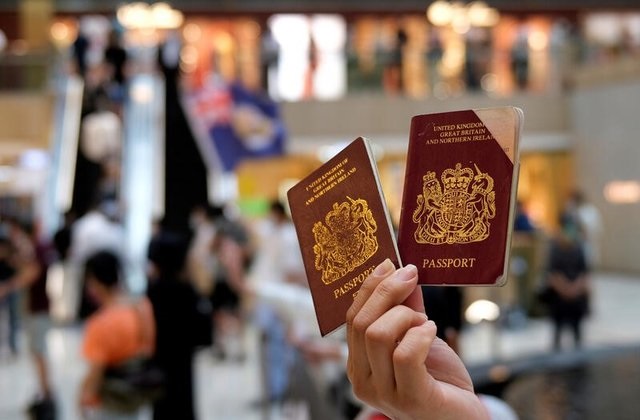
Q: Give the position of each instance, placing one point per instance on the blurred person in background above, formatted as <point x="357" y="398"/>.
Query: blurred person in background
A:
<point x="522" y="222"/>
<point x="79" y="50"/>
<point x="393" y="76"/>
<point x="62" y="279"/>
<point x="567" y="281"/>
<point x="520" y="59"/>
<point x="31" y="260"/>
<point x="590" y="226"/>
<point x="275" y="279"/>
<point x="97" y="230"/>
<point x="303" y="371"/>
<point x="96" y="90"/>
<point x="8" y="299"/>
<point x="269" y="54"/>
<point x="284" y="247"/>
<point x="443" y="305"/>
<point x="169" y="57"/>
<point x="115" y="57"/>
<point x="528" y="246"/>
<point x="232" y="250"/>
<point x="183" y="323"/>
<point x="123" y="328"/>
<point x="200" y="262"/>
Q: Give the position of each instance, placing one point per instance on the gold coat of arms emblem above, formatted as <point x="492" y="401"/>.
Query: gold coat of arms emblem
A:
<point x="455" y="209"/>
<point x="345" y="240"/>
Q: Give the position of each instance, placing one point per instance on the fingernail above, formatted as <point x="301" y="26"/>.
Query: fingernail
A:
<point x="407" y="273"/>
<point x="385" y="267"/>
<point x="430" y="324"/>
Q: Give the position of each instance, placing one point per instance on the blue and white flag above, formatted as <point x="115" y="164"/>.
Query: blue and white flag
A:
<point x="232" y="123"/>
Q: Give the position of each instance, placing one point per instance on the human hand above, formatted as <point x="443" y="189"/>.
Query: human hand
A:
<point x="396" y="364"/>
<point x="561" y="285"/>
<point x="318" y="351"/>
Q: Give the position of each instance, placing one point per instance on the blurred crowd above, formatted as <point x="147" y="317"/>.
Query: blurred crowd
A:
<point x="206" y="287"/>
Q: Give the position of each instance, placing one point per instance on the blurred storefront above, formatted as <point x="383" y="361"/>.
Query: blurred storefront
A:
<point x="320" y="56"/>
<point x="343" y="70"/>
<point x="408" y="50"/>
<point x="328" y="56"/>
<point x="325" y="56"/>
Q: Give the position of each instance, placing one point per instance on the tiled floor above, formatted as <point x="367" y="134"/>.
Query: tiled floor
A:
<point x="225" y="390"/>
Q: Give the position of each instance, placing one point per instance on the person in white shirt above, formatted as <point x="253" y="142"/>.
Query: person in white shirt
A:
<point x="200" y="261"/>
<point x="95" y="231"/>
<point x="591" y="228"/>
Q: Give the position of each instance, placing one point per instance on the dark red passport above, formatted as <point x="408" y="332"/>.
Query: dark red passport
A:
<point x="344" y="230"/>
<point x="459" y="195"/>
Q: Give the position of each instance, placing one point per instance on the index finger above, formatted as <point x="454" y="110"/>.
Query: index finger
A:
<point x="383" y="269"/>
<point x="358" y="366"/>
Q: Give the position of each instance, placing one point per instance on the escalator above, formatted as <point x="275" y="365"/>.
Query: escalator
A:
<point x="163" y="175"/>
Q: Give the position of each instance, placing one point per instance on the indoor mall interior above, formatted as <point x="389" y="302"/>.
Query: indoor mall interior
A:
<point x="146" y="151"/>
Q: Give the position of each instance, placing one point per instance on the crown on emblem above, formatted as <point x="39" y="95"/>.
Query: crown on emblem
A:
<point x="457" y="179"/>
<point x="429" y="177"/>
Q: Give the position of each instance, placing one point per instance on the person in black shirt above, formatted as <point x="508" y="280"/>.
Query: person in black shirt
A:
<point x="7" y="299"/>
<point x="115" y="56"/>
<point x="443" y="305"/>
<point x="568" y="281"/>
<point x="183" y="322"/>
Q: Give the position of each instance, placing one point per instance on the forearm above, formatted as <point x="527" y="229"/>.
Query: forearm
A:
<point x="454" y="406"/>
<point x="90" y="386"/>
<point x="235" y="277"/>
<point x="25" y="277"/>
<point x="560" y="284"/>
<point x="465" y="406"/>
<point x="581" y="285"/>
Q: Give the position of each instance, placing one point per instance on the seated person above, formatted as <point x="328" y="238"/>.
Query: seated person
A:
<point x="121" y="329"/>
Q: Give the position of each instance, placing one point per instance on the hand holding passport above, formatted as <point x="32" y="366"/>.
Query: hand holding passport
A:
<point x="456" y="217"/>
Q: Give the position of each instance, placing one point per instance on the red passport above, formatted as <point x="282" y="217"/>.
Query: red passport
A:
<point x="459" y="195"/>
<point x="344" y="230"/>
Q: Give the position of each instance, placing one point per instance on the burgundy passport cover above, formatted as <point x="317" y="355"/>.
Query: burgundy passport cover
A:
<point x="344" y="230"/>
<point x="457" y="204"/>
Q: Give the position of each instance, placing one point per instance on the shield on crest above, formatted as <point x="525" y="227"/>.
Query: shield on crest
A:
<point x="455" y="211"/>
